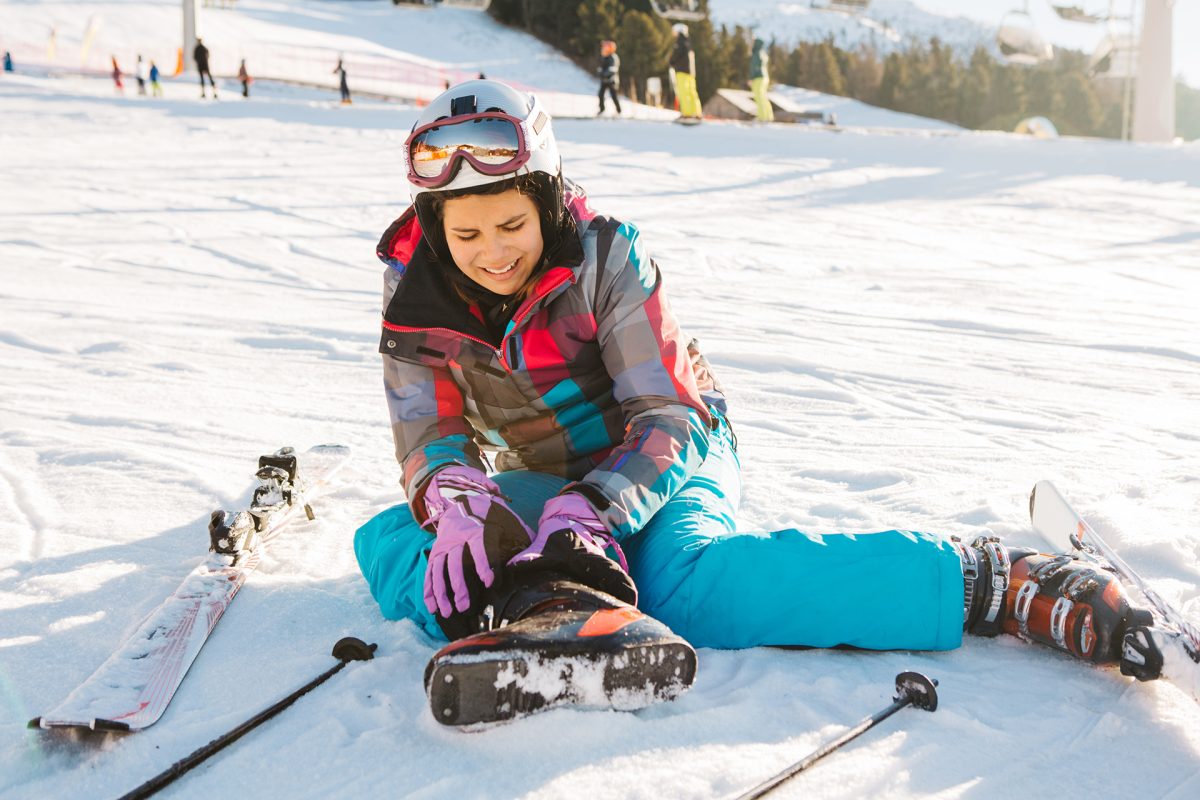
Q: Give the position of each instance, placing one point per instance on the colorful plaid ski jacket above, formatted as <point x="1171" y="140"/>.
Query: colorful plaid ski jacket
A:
<point x="593" y="379"/>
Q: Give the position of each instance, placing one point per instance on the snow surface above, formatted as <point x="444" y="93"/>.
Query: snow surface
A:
<point x="912" y="328"/>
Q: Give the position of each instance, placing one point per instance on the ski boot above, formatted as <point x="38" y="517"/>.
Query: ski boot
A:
<point x="1058" y="600"/>
<point x="555" y="643"/>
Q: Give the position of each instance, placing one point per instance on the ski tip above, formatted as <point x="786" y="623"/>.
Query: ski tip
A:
<point x="1032" y="499"/>
<point x="36" y="722"/>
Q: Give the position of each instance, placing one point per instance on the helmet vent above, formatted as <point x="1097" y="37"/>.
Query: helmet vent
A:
<point x="460" y="106"/>
<point x="540" y="122"/>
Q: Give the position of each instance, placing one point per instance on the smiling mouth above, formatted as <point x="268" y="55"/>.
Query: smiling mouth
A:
<point x="507" y="268"/>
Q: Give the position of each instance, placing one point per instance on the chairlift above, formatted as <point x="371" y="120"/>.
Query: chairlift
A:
<point x="1019" y="40"/>
<point x="1114" y="57"/>
<point x="678" y="10"/>
<point x="1079" y="14"/>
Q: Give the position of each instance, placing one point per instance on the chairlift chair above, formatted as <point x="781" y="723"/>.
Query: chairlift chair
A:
<point x="1114" y="57"/>
<point x="1019" y="40"/>
<point x="1079" y="14"/>
<point x="677" y="10"/>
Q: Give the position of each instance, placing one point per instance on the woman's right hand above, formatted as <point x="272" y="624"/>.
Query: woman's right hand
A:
<point x="477" y="533"/>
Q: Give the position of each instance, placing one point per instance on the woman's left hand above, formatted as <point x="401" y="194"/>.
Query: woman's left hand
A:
<point x="570" y="543"/>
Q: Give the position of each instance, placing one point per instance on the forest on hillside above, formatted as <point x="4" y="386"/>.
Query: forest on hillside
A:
<point x="925" y="77"/>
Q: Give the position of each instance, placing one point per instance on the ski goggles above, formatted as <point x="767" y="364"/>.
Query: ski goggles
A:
<point x="492" y="142"/>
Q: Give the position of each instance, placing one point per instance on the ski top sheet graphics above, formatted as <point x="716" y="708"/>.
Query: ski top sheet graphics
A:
<point x="1054" y="518"/>
<point x="132" y="688"/>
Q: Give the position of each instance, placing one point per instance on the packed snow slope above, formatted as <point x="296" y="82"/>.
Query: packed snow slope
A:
<point x="912" y="329"/>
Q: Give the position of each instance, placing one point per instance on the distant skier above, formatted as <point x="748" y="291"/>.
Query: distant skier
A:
<point x="683" y="71"/>
<point x="343" y="86"/>
<point x="610" y="74"/>
<point x="244" y="76"/>
<point x="142" y="71"/>
<point x="200" y="54"/>
<point x="8" y="62"/>
<point x="759" y="80"/>
<point x="155" y="86"/>
<point x="118" y="85"/>
<point x="518" y="320"/>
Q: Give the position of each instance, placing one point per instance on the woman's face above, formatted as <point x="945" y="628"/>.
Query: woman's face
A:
<point x="495" y="239"/>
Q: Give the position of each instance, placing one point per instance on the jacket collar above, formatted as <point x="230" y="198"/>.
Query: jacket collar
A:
<point x="425" y="299"/>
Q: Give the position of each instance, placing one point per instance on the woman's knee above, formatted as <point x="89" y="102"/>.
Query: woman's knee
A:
<point x="391" y="548"/>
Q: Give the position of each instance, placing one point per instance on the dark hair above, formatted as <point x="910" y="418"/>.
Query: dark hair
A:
<point x="525" y="184"/>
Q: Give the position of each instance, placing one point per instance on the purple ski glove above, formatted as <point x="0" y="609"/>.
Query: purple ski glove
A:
<point x="570" y="542"/>
<point x="477" y="533"/>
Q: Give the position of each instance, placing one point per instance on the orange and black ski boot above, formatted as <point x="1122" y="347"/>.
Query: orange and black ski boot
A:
<point x="1058" y="600"/>
<point x="552" y="644"/>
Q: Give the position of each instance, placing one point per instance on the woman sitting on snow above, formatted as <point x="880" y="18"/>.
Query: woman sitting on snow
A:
<point x="519" y="321"/>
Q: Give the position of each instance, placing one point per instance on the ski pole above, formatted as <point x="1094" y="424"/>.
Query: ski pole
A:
<point x="346" y="650"/>
<point x="912" y="688"/>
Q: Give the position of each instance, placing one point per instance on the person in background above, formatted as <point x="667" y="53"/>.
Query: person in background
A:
<point x="155" y="86"/>
<point x="610" y="74"/>
<point x="201" y="56"/>
<point x="683" y="69"/>
<point x="244" y="77"/>
<point x="142" y="73"/>
<point x="343" y="87"/>
<point x="759" y="80"/>
<point x="116" y="76"/>
<point x="8" y="64"/>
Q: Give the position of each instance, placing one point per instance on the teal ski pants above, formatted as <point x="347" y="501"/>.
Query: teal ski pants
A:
<point x="720" y="587"/>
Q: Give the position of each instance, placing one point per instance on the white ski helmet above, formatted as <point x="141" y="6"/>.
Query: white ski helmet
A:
<point x="680" y="29"/>
<point x="478" y="133"/>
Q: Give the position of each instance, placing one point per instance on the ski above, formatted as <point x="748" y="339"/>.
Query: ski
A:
<point x="133" y="687"/>
<point x="568" y="646"/>
<point x="1053" y="517"/>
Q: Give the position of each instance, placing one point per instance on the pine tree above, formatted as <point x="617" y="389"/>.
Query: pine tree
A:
<point x="1045" y="97"/>
<point x="710" y="71"/>
<point x="597" y="20"/>
<point x="891" y="85"/>
<point x="646" y="47"/>
<point x="1007" y="102"/>
<point x="1080" y="112"/>
<point x="864" y="74"/>
<point x="735" y="55"/>
<point x="976" y="87"/>
<point x="827" y="76"/>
